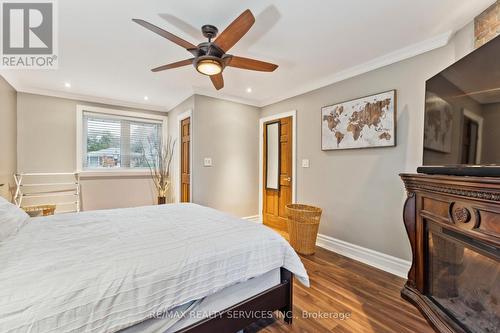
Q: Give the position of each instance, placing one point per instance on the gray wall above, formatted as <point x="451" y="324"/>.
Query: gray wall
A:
<point x="8" y="155"/>
<point x="46" y="138"/>
<point x="228" y="133"/>
<point x="359" y="190"/>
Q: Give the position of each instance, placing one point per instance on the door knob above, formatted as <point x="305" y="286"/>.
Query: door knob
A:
<point x="289" y="179"/>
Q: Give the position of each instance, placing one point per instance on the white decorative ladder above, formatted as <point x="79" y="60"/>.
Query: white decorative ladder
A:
<point x="52" y="189"/>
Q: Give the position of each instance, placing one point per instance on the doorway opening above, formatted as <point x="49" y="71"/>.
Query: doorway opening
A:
<point x="471" y="138"/>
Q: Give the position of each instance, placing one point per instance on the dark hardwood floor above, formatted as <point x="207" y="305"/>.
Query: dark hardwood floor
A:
<point x="347" y="296"/>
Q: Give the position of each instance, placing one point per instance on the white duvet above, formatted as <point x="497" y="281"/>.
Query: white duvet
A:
<point x="103" y="271"/>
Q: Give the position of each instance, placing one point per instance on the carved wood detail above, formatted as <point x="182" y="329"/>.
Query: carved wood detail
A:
<point x="409" y="221"/>
<point x="474" y="194"/>
<point x="460" y="214"/>
<point x="463" y="216"/>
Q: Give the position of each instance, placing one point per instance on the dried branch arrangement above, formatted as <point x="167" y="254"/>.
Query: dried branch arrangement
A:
<point x="158" y="160"/>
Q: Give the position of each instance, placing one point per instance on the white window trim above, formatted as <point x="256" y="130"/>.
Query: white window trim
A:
<point x="121" y="172"/>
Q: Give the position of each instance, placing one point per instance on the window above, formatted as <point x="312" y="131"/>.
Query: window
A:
<point x="117" y="140"/>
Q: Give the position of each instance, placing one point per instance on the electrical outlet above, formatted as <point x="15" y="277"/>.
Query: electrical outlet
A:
<point x="207" y="162"/>
<point x="305" y="163"/>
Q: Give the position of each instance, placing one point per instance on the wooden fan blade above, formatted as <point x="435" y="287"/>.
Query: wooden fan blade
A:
<point x="218" y="81"/>
<point x="250" y="64"/>
<point x="171" y="37"/>
<point x="174" y="65"/>
<point x="237" y="29"/>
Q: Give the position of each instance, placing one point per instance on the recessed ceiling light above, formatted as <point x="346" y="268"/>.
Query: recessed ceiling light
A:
<point x="249" y="90"/>
<point x="146" y="98"/>
<point x="67" y="85"/>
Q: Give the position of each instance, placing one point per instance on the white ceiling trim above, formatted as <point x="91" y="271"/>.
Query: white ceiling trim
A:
<point x="226" y="97"/>
<point x="91" y="99"/>
<point x="382" y="61"/>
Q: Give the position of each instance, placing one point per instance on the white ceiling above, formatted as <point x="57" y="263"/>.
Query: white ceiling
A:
<point x="108" y="58"/>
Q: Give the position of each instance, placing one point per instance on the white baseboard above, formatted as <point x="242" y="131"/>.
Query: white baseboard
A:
<point x="370" y="257"/>
<point x="253" y="218"/>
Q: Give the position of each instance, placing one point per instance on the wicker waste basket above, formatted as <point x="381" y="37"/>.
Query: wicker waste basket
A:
<point x="303" y="224"/>
<point x="39" y="210"/>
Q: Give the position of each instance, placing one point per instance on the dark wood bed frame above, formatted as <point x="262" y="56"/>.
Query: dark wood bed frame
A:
<point x="276" y="298"/>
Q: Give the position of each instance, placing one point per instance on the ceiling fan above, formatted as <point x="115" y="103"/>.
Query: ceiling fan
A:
<point x="210" y="58"/>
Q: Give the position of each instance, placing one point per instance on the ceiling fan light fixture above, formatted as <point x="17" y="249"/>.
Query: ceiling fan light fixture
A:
<point x="211" y="58"/>
<point x="209" y="67"/>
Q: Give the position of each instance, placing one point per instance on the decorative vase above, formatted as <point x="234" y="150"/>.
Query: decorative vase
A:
<point x="162" y="200"/>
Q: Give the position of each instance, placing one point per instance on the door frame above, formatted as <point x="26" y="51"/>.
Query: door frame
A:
<point x="180" y="118"/>
<point x="479" y="120"/>
<point x="262" y="121"/>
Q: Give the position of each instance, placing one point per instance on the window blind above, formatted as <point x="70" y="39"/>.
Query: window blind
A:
<point x="112" y="141"/>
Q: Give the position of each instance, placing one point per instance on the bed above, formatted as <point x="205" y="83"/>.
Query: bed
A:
<point x="169" y="268"/>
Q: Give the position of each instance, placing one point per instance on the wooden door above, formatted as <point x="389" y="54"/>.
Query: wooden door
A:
<point x="274" y="201"/>
<point x="185" y="160"/>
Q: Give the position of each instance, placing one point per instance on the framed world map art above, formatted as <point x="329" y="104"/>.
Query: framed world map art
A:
<point x="366" y="122"/>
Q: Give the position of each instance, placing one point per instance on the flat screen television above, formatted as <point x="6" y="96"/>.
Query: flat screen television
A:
<point x="462" y="116"/>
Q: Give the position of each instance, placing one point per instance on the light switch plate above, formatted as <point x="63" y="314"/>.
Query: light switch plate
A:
<point x="305" y="163"/>
<point x="207" y="162"/>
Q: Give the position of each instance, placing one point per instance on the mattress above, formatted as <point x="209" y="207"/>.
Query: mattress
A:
<point x="190" y="313"/>
<point x="104" y="271"/>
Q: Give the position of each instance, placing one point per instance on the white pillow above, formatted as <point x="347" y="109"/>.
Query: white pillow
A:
<point x="12" y="219"/>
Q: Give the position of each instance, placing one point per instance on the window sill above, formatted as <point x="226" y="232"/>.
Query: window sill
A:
<point x="113" y="173"/>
